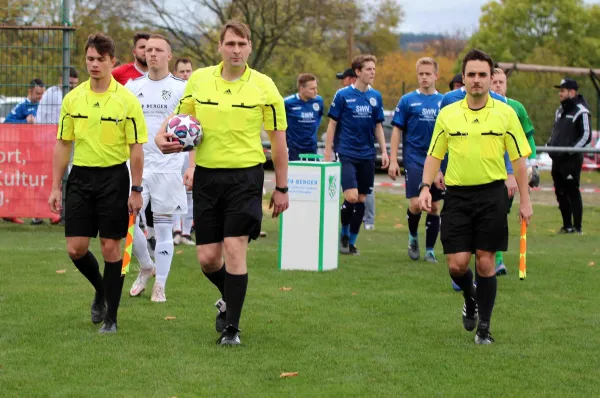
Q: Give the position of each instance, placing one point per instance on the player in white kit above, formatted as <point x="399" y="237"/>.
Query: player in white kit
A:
<point x="159" y="93"/>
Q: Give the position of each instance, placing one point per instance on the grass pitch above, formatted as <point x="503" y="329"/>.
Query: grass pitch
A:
<point x="380" y="325"/>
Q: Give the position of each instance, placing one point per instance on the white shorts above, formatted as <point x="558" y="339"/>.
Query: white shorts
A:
<point x="166" y="192"/>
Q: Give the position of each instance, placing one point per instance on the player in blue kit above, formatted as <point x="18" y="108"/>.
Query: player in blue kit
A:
<point x="356" y="114"/>
<point x="414" y="120"/>
<point x="304" y="111"/>
<point x="511" y="183"/>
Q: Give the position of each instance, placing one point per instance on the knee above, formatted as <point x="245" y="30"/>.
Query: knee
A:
<point x="210" y="260"/>
<point x="435" y="208"/>
<point x="457" y="268"/>
<point x="76" y="251"/>
<point x="351" y="196"/>
<point x="111" y="249"/>
<point x="485" y="264"/>
<point x="413" y="206"/>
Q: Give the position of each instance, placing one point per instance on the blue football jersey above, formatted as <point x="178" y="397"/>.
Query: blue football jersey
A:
<point x="460" y="93"/>
<point x="356" y="114"/>
<point x="303" y="119"/>
<point x="415" y="115"/>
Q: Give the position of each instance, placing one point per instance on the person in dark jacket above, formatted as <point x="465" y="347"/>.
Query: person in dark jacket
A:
<point x="571" y="129"/>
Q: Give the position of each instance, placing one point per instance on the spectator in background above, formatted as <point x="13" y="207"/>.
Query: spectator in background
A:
<point x="48" y="109"/>
<point x="26" y="110"/>
<point x="571" y="129"/>
<point x="183" y="68"/>
<point x="138" y="67"/>
<point x="25" y="113"/>
<point x="347" y="77"/>
<point x="456" y="82"/>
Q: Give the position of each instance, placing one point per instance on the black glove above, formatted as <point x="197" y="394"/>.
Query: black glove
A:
<point x="534" y="181"/>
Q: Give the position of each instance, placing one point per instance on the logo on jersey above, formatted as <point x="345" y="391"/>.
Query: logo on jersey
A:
<point x="316" y="107"/>
<point x="96" y="105"/>
<point x="296" y="108"/>
<point x="141" y="95"/>
<point x="166" y="94"/>
<point x="373" y="101"/>
<point x="476" y="121"/>
<point x="363" y="109"/>
<point x="228" y="92"/>
<point x="414" y="104"/>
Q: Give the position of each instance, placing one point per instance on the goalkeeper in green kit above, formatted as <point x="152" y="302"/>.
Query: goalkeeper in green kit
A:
<point x="499" y="87"/>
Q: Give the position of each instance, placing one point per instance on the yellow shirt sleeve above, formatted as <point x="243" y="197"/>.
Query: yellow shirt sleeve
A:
<point x="135" y="125"/>
<point x="187" y="103"/>
<point x="439" y="140"/>
<point x="515" y="139"/>
<point x="274" y="110"/>
<point x="66" y="129"/>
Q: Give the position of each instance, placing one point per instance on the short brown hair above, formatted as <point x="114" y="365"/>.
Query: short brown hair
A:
<point x="183" y="61"/>
<point x="428" y="61"/>
<point x="140" y="35"/>
<point x="359" y="61"/>
<point x="304" y="78"/>
<point x="104" y="44"/>
<point x="499" y="71"/>
<point x="160" y="37"/>
<point x="237" y="27"/>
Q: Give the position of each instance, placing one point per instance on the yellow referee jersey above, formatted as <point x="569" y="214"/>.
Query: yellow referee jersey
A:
<point x="102" y="125"/>
<point x="232" y="115"/>
<point x="476" y="141"/>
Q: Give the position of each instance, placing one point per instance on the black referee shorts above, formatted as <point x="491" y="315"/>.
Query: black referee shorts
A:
<point x="96" y="202"/>
<point x="227" y="203"/>
<point x="475" y="218"/>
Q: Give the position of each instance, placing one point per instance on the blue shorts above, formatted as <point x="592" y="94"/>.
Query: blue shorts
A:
<point x="294" y="153"/>
<point x="358" y="174"/>
<point x="413" y="177"/>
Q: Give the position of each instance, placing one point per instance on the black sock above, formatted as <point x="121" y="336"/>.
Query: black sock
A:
<point x="235" y="289"/>
<point x="486" y="296"/>
<point x="218" y="279"/>
<point x="346" y="212"/>
<point x="413" y="222"/>
<point x="113" y="286"/>
<point x="465" y="282"/>
<point x="88" y="266"/>
<point x="432" y="228"/>
<point x="357" y="217"/>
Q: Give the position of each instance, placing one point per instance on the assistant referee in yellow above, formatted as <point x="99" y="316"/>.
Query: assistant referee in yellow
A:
<point x="106" y="122"/>
<point x="476" y="132"/>
<point x="232" y="102"/>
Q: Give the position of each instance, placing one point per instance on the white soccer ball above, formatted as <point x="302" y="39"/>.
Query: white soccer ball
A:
<point x="187" y="130"/>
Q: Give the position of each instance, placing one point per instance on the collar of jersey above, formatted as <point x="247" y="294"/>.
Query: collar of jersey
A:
<point x="358" y="91"/>
<point x="488" y="104"/>
<point x="111" y="87"/>
<point x="244" y="77"/>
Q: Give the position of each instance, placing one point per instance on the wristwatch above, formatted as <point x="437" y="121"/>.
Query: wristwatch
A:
<point x="282" y="190"/>
<point x="423" y="185"/>
<point x="136" y="188"/>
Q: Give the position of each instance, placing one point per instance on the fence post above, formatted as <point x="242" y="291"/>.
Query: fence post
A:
<point x="66" y="66"/>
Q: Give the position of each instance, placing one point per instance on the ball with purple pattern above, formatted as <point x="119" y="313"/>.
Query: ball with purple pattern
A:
<point x="187" y="130"/>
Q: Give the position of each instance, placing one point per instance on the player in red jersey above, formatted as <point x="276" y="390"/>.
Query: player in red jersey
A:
<point x="138" y="67"/>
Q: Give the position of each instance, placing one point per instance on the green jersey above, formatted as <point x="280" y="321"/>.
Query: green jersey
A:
<point x="525" y="123"/>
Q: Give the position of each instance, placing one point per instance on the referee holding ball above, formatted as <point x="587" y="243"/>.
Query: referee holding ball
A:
<point x="106" y="122"/>
<point x="476" y="132"/>
<point x="232" y="102"/>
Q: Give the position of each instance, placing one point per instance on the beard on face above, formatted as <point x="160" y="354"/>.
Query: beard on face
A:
<point x="141" y="61"/>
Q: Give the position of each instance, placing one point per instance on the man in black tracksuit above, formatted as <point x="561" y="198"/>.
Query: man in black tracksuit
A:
<point x="571" y="129"/>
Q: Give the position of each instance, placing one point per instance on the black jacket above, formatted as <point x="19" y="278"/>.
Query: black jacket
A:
<point x="571" y="126"/>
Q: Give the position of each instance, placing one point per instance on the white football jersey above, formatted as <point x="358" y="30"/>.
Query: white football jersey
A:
<point x="159" y="99"/>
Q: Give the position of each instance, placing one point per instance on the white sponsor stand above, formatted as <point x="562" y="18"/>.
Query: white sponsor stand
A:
<point x="309" y="229"/>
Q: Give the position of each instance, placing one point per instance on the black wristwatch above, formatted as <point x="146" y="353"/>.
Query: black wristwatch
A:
<point x="282" y="190"/>
<point x="135" y="188"/>
<point x="423" y="185"/>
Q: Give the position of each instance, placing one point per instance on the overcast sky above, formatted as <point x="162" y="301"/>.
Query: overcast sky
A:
<point x="443" y="16"/>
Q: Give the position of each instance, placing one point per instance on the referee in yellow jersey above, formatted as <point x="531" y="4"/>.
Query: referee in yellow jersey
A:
<point x="476" y="132"/>
<point x="232" y="102"/>
<point x="106" y="122"/>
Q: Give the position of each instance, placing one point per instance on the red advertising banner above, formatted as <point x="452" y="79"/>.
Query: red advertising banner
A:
<point x="26" y="169"/>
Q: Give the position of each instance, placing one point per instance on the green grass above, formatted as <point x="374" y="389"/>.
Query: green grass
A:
<point x="380" y="325"/>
